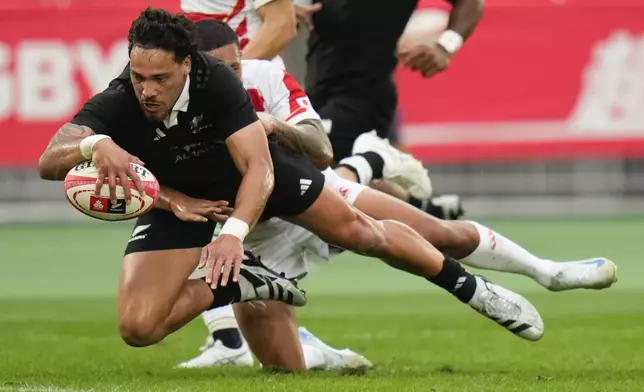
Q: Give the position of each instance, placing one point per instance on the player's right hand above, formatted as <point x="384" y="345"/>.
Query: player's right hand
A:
<point x="113" y="162"/>
<point x="189" y="209"/>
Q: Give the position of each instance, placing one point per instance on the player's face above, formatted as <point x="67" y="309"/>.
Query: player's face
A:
<point x="157" y="79"/>
<point x="231" y="55"/>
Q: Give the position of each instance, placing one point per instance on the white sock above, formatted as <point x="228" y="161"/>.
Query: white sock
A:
<point x="220" y="318"/>
<point x="313" y="357"/>
<point x="498" y="253"/>
<point x="361" y="166"/>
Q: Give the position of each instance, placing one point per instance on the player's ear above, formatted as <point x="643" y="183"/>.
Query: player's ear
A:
<point x="187" y="65"/>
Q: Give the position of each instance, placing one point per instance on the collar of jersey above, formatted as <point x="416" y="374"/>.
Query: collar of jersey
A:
<point x="180" y="106"/>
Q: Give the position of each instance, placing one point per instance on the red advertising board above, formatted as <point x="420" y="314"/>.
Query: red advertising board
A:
<point x="52" y="59"/>
<point x="545" y="79"/>
<point x="539" y="78"/>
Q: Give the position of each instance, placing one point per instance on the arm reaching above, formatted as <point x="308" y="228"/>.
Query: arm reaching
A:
<point x="307" y="137"/>
<point x="279" y="27"/>
<point x="189" y="209"/>
<point x="87" y="138"/>
<point x="249" y="150"/>
<point x="63" y="152"/>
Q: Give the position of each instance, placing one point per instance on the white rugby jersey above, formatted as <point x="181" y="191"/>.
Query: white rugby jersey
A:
<point x="240" y="15"/>
<point x="276" y="92"/>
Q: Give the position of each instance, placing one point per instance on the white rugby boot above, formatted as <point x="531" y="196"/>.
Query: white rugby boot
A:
<point x="400" y="168"/>
<point x="334" y="359"/>
<point x="214" y="354"/>
<point x="258" y="282"/>
<point x="598" y="273"/>
<point x="508" y="309"/>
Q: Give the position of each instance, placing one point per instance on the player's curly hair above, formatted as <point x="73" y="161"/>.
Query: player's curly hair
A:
<point x="157" y="28"/>
<point x="213" y="34"/>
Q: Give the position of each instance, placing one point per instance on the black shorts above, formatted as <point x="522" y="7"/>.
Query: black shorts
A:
<point x="298" y="184"/>
<point x="352" y="116"/>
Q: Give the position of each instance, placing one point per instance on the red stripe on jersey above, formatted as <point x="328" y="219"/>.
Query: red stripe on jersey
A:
<point x="297" y="99"/>
<point x="257" y="99"/>
<point x="196" y="17"/>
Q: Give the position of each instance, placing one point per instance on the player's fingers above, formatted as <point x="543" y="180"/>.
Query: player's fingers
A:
<point x="125" y="183"/>
<point x="137" y="160"/>
<point x="216" y="271"/>
<point x="136" y="180"/>
<point x="219" y="218"/>
<point x="227" y="268"/>
<point x="238" y="264"/>
<point x="111" y="182"/>
<point x="203" y="259"/>
<point x="226" y="210"/>
<point x="99" y="183"/>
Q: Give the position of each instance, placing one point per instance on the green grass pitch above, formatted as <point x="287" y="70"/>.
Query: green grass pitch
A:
<point x="58" y="328"/>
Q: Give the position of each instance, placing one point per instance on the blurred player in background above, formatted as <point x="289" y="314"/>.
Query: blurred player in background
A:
<point x="353" y="49"/>
<point x="264" y="27"/>
<point x="287" y="248"/>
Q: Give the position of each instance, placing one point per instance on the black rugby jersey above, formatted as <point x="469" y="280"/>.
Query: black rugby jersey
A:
<point x="191" y="156"/>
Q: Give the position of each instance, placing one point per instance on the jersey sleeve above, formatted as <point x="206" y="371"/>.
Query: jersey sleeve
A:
<point x="231" y="104"/>
<point x="101" y="112"/>
<point x="288" y="101"/>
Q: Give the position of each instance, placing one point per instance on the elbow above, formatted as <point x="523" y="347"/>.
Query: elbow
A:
<point x="44" y="170"/>
<point x="324" y="158"/>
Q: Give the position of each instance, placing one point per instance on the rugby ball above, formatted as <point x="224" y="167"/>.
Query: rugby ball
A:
<point x="80" y="184"/>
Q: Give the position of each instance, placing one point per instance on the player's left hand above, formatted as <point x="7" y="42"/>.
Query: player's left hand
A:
<point x="221" y="257"/>
<point x="304" y="14"/>
<point x="429" y="59"/>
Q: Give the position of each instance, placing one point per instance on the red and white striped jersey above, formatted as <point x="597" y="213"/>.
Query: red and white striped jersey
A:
<point x="276" y="92"/>
<point x="240" y="15"/>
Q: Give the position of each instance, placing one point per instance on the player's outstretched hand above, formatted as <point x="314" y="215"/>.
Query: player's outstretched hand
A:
<point x="113" y="162"/>
<point x="428" y="59"/>
<point x="221" y="257"/>
<point x="304" y="14"/>
<point x="199" y="210"/>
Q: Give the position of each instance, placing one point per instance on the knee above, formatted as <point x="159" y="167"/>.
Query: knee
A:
<point x="139" y="331"/>
<point x="460" y="238"/>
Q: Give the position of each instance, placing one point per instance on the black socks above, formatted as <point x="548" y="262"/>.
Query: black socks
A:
<point x="454" y="279"/>
<point x="225" y="295"/>
<point x="230" y="337"/>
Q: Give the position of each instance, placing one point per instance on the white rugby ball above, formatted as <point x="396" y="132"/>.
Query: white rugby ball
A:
<point x="80" y="184"/>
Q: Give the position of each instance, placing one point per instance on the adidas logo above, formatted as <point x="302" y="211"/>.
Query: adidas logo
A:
<point x="160" y="134"/>
<point x="304" y="185"/>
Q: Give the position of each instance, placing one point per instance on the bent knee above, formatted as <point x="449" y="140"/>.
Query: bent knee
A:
<point x="139" y="332"/>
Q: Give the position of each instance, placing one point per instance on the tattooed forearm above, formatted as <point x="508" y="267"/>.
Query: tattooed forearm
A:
<point x="69" y="133"/>
<point x="63" y="152"/>
<point x="308" y="138"/>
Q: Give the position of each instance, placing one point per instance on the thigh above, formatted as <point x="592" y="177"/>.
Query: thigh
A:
<point x="271" y="332"/>
<point x="333" y="219"/>
<point x="161" y="254"/>
<point x="298" y="184"/>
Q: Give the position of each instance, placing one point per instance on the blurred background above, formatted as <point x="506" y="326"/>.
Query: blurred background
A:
<point x="540" y="114"/>
<point x="538" y="124"/>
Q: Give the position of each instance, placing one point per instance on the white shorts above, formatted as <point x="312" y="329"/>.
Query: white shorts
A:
<point x="287" y="248"/>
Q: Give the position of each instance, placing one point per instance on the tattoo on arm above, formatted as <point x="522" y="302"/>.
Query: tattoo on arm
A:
<point x="309" y="138"/>
<point x="69" y="133"/>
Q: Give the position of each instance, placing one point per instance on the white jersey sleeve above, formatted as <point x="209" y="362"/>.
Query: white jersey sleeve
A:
<point x="281" y="95"/>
